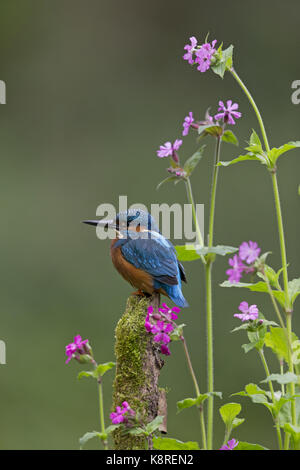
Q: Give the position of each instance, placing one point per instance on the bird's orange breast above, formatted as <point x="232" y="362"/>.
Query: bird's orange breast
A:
<point x="135" y="276"/>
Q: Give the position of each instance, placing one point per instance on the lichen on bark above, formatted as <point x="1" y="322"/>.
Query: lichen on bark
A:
<point x="138" y="364"/>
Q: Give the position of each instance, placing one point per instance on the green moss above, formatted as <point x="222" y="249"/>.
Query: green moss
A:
<point x="130" y="348"/>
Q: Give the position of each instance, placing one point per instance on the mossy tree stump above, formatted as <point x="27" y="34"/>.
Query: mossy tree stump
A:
<point x="138" y="365"/>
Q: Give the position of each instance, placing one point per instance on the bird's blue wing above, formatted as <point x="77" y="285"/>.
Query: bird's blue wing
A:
<point x="154" y="255"/>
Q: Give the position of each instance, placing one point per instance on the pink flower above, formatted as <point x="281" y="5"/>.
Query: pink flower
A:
<point x="188" y="121"/>
<point x="237" y="268"/>
<point x="119" y="416"/>
<point x="160" y="324"/>
<point x="228" y="113"/>
<point x="169" y="150"/>
<point x="248" y="312"/>
<point x="162" y="329"/>
<point x="249" y="252"/>
<point x="77" y="347"/>
<point x="169" y="313"/>
<point x="204" y="56"/>
<point x="230" y="445"/>
<point x="165" y="350"/>
<point x="190" y="48"/>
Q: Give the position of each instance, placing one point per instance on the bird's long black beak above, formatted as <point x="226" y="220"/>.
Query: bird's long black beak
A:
<point x="104" y="223"/>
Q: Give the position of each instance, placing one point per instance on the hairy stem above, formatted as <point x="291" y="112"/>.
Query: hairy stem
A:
<point x="208" y="282"/>
<point x="210" y="360"/>
<point x="265" y="365"/>
<point x="213" y="193"/>
<point x="101" y="409"/>
<point x="194" y="213"/>
<point x="253" y="104"/>
<point x="197" y="390"/>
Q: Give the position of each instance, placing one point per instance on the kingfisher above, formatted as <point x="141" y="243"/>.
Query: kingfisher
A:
<point x="143" y="256"/>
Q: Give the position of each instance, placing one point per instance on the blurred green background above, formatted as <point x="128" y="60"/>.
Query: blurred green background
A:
<point x="93" y="89"/>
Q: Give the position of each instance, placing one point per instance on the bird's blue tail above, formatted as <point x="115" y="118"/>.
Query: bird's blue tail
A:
<point x="175" y="294"/>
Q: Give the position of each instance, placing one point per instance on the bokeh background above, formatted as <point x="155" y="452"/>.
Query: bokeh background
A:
<point x="93" y="89"/>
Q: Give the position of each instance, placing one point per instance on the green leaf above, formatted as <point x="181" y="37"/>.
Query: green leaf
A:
<point x="89" y="435"/>
<point x="276" y="152"/>
<point x="210" y="129"/>
<point x="87" y="373"/>
<point x="295" y="433"/>
<point x="254" y="392"/>
<point x="255" y="140"/>
<point x="296" y="352"/>
<point x="189" y="402"/>
<point x="229" y="412"/>
<point x="153" y="425"/>
<point x="241" y="158"/>
<point x="169" y="179"/>
<point x="271" y="275"/>
<point x="276" y="340"/>
<point x="249" y="346"/>
<point x="167" y="443"/>
<point x="176" y="334"/>
<point x="218" y="250"/>
<point x="111" y="428"/>
<point x="237" y="421"/>
<point x="138" y="431"/>
<point x="256" y="287"/>
<point x="285" y="415"/>
<point x="223" y="62"/>
<point x="103" y="368"/>
<point x="257" y="337"/>
<point x="186" y="403"/>
<point x="247" y="446"/>
<point x="294" y="289"/>
<point x="193" y="161"/>
<point x="230" y="138"/>
<point x="254" y="152"/>
<point x="286" y="378"/>
<point x="186" y="252"/>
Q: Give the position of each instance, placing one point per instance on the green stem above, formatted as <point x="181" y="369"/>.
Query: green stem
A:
<point x="282" y="372"/>
<point x="194" y="213"/>
<point x="210" y="361"/>
<point x="265" y="365"/>
<point x="281" y="240"/>
<point x="253" y="104"/>
<point x="197" y="390"/>
<point x="291" y="366"/>
<point x="101" y="409"/>
<point x="208" y="282"/>
<point x="213" y="193"/>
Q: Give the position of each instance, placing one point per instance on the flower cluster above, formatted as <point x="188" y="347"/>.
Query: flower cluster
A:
<point x="168" y="149"/>
<point x="78" y="350"/>
<point x="122" y="413"/>
<point x="230" y="445"/>
<point x="248" y="252"/>
<point x="249" y="312"/>
<point x="161" y="324"/>
<point x="201" y="55"/>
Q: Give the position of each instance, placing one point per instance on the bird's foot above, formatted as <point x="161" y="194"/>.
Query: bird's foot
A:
<point x="139" y="292"/>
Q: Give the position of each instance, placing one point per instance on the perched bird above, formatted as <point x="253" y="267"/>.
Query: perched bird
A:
<point x="143" y="256"/>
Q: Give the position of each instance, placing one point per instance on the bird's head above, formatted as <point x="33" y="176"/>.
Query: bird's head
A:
<point x="128" y="222"/>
